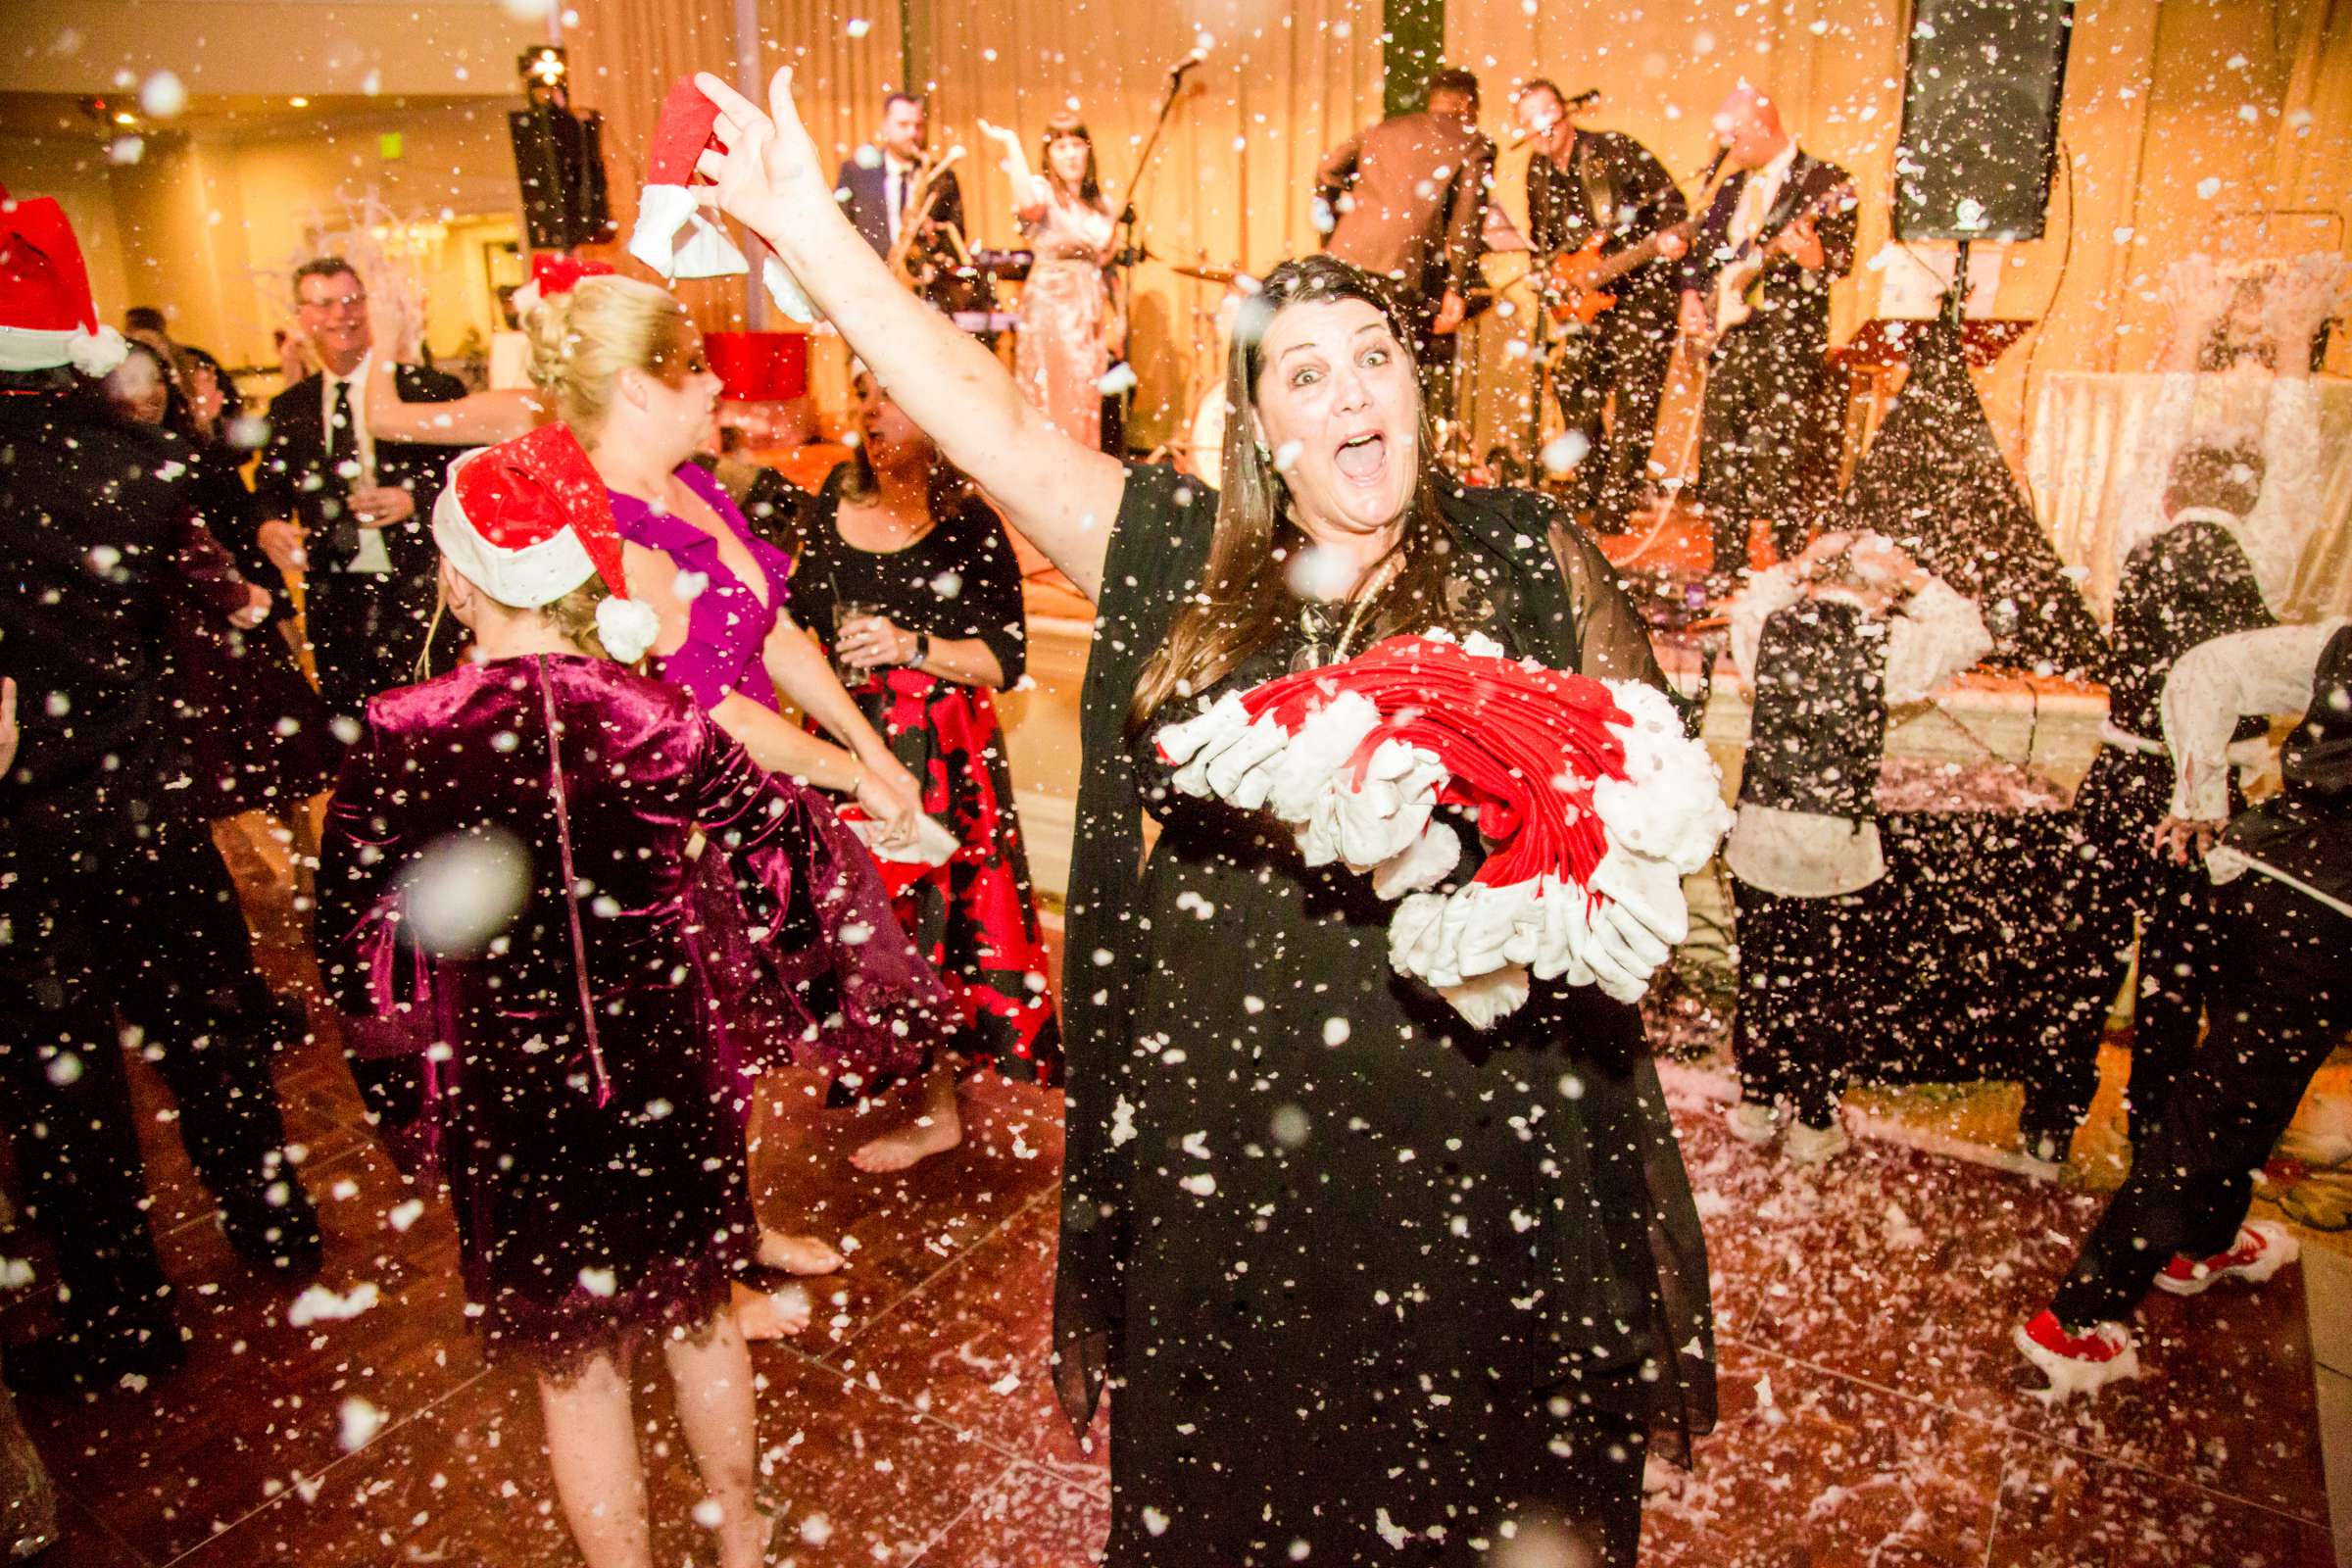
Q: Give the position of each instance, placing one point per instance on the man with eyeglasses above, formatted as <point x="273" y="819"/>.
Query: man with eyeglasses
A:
<point x="346" y="510"/>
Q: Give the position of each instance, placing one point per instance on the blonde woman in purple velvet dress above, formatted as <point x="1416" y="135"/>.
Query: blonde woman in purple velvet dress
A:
<point x="619" y="362"/>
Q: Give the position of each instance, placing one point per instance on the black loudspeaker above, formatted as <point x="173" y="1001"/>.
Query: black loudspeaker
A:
<point x="559" y="158"/>
<point x="1981" y="83"/>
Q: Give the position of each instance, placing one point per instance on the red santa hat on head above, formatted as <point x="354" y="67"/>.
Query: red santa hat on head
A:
<point x="551" y="275"/>
<point x="47" y="318"/>
<point x="529" y="520"/>
<point x="666" y="205"/>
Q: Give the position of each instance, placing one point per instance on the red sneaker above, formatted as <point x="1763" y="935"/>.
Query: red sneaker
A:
<point x="2261" y="1250"/>
<point x="2077" y="1363"/>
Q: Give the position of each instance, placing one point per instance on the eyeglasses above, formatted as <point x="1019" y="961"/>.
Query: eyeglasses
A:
<point x="341" y="302"/>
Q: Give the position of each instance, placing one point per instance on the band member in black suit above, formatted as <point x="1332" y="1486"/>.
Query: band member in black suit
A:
<point x="1587" y="184"/>
<point x="348" y="510"/>
<point x="1769" y="426"/>
<point x="877" y="182"/>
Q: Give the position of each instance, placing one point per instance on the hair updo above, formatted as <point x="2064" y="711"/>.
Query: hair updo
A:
<point x="584" y="339"/>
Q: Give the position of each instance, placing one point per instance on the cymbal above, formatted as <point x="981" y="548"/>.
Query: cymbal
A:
<point x="1208" y="275"/>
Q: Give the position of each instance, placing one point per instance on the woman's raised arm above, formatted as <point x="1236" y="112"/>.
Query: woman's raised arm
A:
<point x="1060" y="495"/>
<point x="477" y="420"/>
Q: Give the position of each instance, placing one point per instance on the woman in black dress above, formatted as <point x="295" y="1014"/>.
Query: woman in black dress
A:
<point x="1366" y="1285"/>
<point x="908" y="580"/>
<point x="258" y="734"/>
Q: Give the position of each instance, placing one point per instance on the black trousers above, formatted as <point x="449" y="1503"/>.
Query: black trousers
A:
<point x="138" y="941"/>
<point x="366" y="631"/>
<point x="1623" y="357"/>
<point x="1768" y="439"/>
<point x="2119" y="883"/>
<point x="1799" y="990"/>
<point x="2279" y="1008"/>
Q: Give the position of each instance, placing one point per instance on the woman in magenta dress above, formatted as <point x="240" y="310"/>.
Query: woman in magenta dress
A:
<point x="898" y="536"/>
<point x="508" y="879"/>
<point x="620" y="364"/>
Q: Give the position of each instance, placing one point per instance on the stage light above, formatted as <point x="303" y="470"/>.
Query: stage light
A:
<point x="124" y="117"/>
<point x="543" y="67"/>
<point x="298" y="103"/>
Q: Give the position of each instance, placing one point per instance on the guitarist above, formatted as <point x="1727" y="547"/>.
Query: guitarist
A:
<point x="1769" y="426"/>
<point x="1584" y="186"/>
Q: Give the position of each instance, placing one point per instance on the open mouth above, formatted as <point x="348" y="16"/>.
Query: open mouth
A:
<point x="1362" y="459"/>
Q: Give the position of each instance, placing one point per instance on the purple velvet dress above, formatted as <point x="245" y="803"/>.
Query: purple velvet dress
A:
<point x="506" y="896"/>
<point x="727" y="624"/>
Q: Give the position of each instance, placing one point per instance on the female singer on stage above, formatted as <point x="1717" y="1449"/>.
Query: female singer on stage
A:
<point x="1363" y="1281"/>
<point x="580" y="1110"/>
<point x="1068" y="320"/>
<point x="619" y="362"/>
<point x="909" y="580"/>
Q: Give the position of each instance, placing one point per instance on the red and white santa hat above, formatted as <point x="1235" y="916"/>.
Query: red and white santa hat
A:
<point x="47" y="318"/>
<point x="552" y="274"/>
<point x="529" y="520"/>
<point x="666" y="205"/>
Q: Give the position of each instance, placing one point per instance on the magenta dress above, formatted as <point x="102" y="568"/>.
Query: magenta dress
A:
<point x="585" y="1111"/>
<point x="727" y="624"/>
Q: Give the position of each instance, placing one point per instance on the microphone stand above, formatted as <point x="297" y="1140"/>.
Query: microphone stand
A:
<point x="1123" y="260"/>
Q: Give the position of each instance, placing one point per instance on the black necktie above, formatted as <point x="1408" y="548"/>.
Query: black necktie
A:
<point x="343" y="463"/>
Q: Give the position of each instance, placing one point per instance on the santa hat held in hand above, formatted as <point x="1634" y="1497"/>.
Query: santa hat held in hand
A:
<point x="666" y="205"/>
<point x="47" y="318"/>
<point x="529" y="520"/>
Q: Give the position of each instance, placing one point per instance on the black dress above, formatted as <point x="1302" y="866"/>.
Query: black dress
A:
<point x="1359" y="1277"/>
<point x="974" y="918"/>
<point x="257" y="736"/>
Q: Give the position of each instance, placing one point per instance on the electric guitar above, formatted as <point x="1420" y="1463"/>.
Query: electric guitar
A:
<point x="1575" y="283"/>
<point x="1731" y="304"/>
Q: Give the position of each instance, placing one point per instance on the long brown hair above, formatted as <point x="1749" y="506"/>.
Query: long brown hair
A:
<point x="1244" y="602"/>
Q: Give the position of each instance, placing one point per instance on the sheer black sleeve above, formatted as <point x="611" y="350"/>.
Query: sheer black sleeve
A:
<point x="992" y="607"/>
<point x="1612" y="643"/>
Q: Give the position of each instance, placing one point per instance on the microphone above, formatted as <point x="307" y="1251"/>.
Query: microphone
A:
<point x="1177" y="71"/>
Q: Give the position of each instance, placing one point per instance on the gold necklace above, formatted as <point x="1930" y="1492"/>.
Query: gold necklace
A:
<point x="1309" y="655"/>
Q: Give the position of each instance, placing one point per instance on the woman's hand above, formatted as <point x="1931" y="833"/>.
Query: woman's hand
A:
<point x="2183" y="841"/>
<point x="2298" y="299"/>
<point x="1010" y="140"/>
<point x="256" y="611"/>
<point x="890" y="801"/>
<point x="875" y="642"/>
<point x="768" y="178"/>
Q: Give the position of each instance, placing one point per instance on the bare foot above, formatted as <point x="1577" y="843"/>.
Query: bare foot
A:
<point x="770" y="1314"/>
<point x="796" y="1254"/>
<point x="933" y="1133"/>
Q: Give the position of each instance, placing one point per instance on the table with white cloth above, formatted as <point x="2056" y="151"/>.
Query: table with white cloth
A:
<point x="2086" y="445"/>
<point x="1969" y="958"/>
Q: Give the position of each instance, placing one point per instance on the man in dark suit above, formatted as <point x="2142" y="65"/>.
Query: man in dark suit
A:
<point x="877" y="182"/>
<point x="1583" y="185"/>
<point x="347" y="511"/>
<point x="1408" y="198"/>
<point x="1769" y="427"/>
<point x="117" y="919"/>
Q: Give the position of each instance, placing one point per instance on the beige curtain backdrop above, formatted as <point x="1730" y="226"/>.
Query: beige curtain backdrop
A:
<point x="2210" y="126"/>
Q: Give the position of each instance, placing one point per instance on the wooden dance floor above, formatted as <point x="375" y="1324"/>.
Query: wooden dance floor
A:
<point x="1870" y="1408"/>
